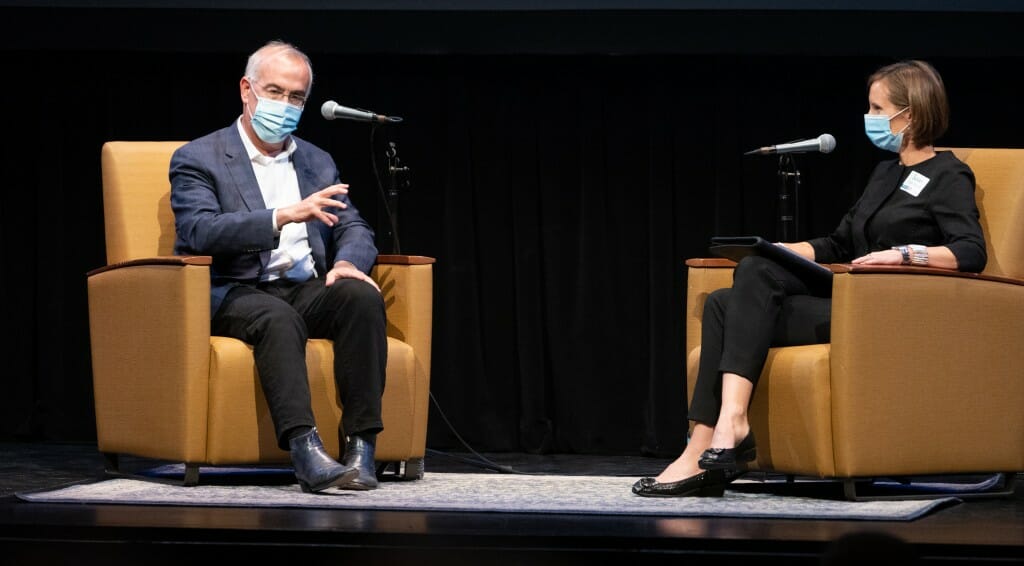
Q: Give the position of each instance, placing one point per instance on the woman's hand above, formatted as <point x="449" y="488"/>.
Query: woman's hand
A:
<point x="882" y="257"/>
<point x="801" y="248"/>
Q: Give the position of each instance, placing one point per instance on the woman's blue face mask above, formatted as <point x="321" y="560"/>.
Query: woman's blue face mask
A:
<point x="879" y="131"/>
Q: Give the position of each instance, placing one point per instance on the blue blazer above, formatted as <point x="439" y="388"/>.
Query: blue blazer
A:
<point x="219" y="212"/>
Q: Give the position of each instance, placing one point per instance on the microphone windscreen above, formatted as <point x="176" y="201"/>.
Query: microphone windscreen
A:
<point x="327" y="110"/>
<point x="826" y="143"/>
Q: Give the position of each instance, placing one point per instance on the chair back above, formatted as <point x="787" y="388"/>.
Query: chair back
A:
<point x="137" y="215"/>
<point x="999" y="175"/>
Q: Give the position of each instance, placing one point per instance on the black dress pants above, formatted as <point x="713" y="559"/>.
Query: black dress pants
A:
<point x="766" y="306"/>
<point x="277" y="317"/>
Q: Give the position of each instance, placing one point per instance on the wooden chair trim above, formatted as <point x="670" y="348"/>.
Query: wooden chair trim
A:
<point x="912" y="270"/>
<point x="395" y="259"/>
<point x="160" y="260"/>
<point x="710" y="262"/>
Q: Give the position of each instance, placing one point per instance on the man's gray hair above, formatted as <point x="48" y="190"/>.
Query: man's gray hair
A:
<point x="272" y="49"/>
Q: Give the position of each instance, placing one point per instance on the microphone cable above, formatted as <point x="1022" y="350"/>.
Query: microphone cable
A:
<point x="481" y="461"/>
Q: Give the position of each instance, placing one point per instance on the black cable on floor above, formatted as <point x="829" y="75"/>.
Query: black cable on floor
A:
<point x="482" y="461"/>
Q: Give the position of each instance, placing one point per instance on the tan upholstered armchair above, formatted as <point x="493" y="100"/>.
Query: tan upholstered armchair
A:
<point x="166" y="389"/>
<point x="925" y="372"/>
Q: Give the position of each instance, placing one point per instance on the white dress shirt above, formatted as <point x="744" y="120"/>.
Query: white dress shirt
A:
<point x="293" y="258"/>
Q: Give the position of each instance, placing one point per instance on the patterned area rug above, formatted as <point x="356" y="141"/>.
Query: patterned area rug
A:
<point x="497" y="493"/>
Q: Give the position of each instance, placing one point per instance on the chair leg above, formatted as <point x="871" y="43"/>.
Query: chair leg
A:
<point x="191" y="475"/>
<point x="111" y="465"/>
<point x="412" y="469"/>
<point x="406" y="470"/>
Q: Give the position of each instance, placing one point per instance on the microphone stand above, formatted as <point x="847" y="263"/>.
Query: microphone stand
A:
<point x="397" y="178"/>
<point x="788" y="229"/>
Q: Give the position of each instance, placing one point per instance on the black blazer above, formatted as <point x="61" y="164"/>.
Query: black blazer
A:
<point x="943" y="212"/>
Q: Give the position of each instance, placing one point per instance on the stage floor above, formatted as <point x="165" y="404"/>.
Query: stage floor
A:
<point x="972" y="532"/>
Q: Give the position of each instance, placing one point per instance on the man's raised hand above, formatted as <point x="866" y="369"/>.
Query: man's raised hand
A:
<point x="316" y="206"/>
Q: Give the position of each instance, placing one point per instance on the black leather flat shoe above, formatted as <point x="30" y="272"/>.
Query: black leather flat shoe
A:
<point x="729" y="458"/>
<point x="705" y="484"/>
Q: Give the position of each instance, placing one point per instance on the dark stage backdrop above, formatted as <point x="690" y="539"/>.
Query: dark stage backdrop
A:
<point x="564" y="164"/>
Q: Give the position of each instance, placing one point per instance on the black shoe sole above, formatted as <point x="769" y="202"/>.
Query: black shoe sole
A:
<point x="706" y="491"/>
<point x="345" y="478"/>
<point x="358" y="485"/>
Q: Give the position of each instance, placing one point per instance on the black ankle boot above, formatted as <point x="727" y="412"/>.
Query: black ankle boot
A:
<point x="359" y="455"/>
<point x="314" y="468"/>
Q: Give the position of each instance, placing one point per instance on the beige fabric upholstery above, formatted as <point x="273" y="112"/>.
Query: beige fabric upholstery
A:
<point x="924" y="372"/>
<point x="165" y="388"/>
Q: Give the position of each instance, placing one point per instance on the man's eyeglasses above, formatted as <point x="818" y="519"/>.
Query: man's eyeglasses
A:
<point x="274" y="93"/>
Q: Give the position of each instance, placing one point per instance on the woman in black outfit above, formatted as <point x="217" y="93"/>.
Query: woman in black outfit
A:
<point x="918" y="210"/>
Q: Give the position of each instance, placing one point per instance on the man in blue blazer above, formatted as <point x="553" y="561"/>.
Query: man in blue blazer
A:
<point x="291" y="257"/>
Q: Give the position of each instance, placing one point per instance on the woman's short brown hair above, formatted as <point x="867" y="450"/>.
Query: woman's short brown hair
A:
<point x="918" y="85"/>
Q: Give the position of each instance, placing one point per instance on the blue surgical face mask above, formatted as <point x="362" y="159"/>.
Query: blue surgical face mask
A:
<point x="879" y="131"/>
<point x="273" y="121"/>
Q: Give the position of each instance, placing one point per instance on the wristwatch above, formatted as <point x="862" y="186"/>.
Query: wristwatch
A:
<point x="905" y="252"/>
<point x="918" y="254"/>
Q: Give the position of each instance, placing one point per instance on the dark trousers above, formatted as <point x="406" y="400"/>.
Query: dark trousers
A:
<point x="276" y="318"/>
<point x="766" y="306"/>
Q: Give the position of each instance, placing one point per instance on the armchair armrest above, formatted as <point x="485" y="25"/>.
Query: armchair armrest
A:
<point x="149" y="323"/>
<point x="898" y="332"/>
<point x="156" y="260"/>
<point x="407" y="283"/>
<point x="704" y="275"/>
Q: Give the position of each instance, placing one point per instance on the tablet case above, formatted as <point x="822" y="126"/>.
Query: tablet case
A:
<point x="739" y="247"/>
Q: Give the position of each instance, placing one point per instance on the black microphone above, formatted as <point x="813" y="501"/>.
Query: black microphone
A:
<point x="824" y="143"/>
<point x="332" y="110"/>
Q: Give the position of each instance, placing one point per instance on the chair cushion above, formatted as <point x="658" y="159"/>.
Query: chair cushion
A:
<point x="236" y="401"/>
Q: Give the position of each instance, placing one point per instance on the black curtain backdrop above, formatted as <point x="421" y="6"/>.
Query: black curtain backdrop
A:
<point x="560" y="186"/>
